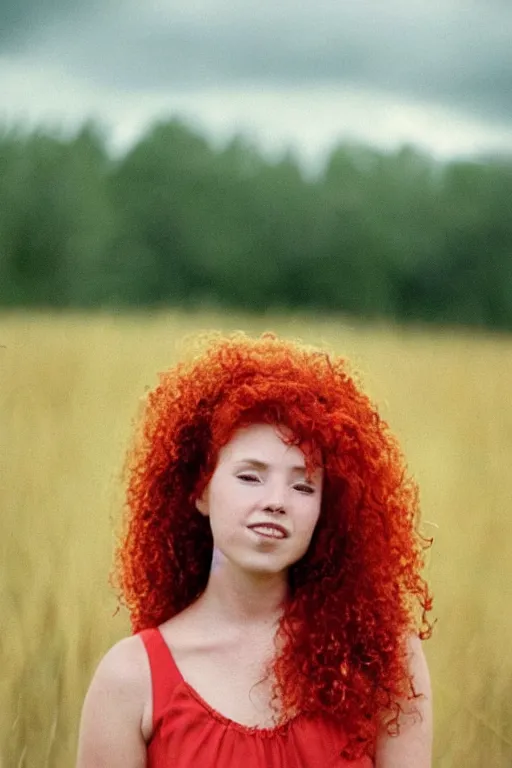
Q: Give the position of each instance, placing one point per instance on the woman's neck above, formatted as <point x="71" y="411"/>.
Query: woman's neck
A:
<point x="240" y="598"/>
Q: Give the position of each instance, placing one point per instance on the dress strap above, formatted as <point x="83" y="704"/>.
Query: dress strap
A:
<point x="165" y="675"/>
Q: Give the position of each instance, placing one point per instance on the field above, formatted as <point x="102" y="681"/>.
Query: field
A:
<point x="69" y="388"/>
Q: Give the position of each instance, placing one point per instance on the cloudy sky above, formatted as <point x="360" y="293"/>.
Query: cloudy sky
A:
<point x="305" y="73"/>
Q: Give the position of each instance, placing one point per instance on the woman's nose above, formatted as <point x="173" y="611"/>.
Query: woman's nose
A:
<point x="275" y="507"/>
<point x="274" y="499"/>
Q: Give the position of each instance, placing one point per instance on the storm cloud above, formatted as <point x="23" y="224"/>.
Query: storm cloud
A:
<point x="22" y="20"/>
<point x="455" y="54"/>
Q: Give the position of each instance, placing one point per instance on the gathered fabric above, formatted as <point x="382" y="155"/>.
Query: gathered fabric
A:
<point x="188" y="733"/>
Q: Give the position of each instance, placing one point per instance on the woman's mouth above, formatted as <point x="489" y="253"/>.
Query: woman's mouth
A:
<point x="269" y="530"/>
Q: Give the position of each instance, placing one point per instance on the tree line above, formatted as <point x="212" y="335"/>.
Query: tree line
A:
<point x="177" y="221"/>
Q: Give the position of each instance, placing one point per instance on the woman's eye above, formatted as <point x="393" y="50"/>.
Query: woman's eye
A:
<point x="304" y="488"/>
<point x="248" y="478"/>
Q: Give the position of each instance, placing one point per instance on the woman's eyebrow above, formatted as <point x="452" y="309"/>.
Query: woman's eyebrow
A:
<point x="261" y="465"/>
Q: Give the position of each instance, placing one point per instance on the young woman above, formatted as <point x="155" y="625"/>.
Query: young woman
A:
<point x="271" y="565"/>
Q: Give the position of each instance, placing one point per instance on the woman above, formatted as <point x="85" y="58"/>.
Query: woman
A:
<point x="271" y="565"/>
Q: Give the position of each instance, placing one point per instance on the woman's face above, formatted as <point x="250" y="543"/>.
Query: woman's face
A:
<point x="262" y="505"/>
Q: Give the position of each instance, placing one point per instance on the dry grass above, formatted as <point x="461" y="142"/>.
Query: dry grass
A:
<point x="69" y="388"/>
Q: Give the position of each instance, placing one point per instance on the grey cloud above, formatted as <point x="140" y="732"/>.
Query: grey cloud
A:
<point x="20" y="19"/>
<point x="457" y="53"/>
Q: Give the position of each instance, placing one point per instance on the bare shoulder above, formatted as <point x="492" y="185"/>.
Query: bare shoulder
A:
<point x="412" y="745"/>
<point x="126" y="666"/>
<point x="123" y="675"/>
<point x="115" y="711"/>
<point x="418" y="667"/>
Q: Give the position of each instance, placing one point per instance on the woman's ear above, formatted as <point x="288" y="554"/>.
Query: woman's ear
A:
<point x="202" y="503"/>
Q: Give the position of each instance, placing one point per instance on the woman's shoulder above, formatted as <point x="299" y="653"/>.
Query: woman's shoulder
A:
<point x="116" y="716"/>
<point x="126" y="663"/>
<point x="124" y="672"/>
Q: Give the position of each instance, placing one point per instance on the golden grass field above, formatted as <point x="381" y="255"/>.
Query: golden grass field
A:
<point x="69" y="388"/>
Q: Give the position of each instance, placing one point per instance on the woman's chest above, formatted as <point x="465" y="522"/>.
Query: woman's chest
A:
<point x="234" y="682"/>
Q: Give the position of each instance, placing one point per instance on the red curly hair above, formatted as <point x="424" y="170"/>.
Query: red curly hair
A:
<point x="357" y="593"/>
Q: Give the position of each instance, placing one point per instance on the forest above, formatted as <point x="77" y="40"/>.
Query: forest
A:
<point x="177" y="221"/>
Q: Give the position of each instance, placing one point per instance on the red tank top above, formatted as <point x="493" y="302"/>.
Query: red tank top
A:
<point x="188" y="733"/>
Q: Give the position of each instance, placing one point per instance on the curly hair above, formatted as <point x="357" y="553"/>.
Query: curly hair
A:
<point x="357" y="593"/>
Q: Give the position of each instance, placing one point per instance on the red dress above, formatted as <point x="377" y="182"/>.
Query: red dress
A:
<point x="188" y="733"/>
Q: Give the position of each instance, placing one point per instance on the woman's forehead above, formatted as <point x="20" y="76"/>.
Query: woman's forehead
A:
<point x="264" y="444"/>
<point x="260" y="436"/>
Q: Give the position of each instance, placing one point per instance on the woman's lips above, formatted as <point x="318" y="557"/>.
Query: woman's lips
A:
<point x="269" y="530"/>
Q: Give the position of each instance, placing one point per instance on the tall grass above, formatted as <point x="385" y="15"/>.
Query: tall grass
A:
<point x="69" y="388"/>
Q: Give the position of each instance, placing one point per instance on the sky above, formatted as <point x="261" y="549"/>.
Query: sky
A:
<point x="304" y="74"/>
